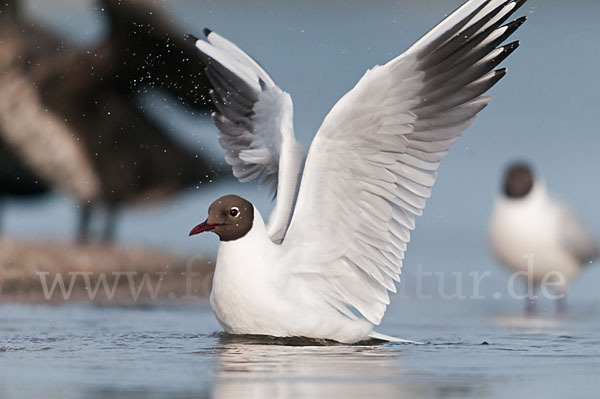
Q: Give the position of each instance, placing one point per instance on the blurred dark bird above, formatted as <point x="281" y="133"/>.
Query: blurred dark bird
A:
<point x="38" y="149"/>
<point x="538" y="237"/>
<point x="121" y="154"/>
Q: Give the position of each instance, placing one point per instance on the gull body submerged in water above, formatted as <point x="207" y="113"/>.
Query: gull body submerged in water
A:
<point x="334" y="243"/>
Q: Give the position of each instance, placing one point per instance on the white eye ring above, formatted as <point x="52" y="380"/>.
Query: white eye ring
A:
<point x="234" y="211"/>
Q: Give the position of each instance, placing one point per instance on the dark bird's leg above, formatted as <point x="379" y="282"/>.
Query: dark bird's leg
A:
<point x="85" y="217"/>
<point x="111" y="224"/>
<point x="2" y="211"/>
<point x="530" y="303"/>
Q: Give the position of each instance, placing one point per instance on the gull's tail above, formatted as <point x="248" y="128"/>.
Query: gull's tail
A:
<point x="384" y="337"/>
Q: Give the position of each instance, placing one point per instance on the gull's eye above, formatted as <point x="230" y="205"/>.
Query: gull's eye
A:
<point x="235" y="211"/>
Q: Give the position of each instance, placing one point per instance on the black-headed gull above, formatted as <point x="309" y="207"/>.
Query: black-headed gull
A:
<point x="533" y="233"/>
<point x="333" y="247"/>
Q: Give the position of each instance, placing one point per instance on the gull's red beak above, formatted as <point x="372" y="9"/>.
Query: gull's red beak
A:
<point x="202" y="227"/>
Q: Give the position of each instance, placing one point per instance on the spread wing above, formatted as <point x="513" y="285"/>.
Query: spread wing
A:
<point x="255" y="120"/>
<point x="373" y="162"/>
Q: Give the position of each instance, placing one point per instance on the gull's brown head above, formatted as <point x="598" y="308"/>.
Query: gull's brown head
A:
<point x="230" y="217"/>
<point x="518" y="180"/>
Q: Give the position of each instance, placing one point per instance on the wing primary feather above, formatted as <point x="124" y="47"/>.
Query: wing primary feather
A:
<point x="443" y="133"/>
<point x="263" y="85"/>
<point x="465" y="72"/>
<point x="191" y="38"/>
<point x="462" y="96"/>
<point x="473" y="50"/>
<point x="435" y="89"/>
<point x="227" y="89"/>
<point x="446" y="29"/>
<point x="249" y="64"/>
<point x="228" y="103"/>
<point x="453" y="116"/>
<point x="231" y="82"/>
<point x="457" y="41"/>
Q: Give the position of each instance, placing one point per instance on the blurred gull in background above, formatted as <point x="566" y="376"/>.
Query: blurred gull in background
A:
<point x="535" y="234"/>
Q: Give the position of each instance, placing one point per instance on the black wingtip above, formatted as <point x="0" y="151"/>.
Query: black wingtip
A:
<point x="206" y="32"/>
<point x="501" y="72"/>
<point x="513" y="26"/>
<point x="510" y="47"/>
<point x="517" y="5"/>
<point x="191" y="38"/>
<point x="263" y="85"/>
<point x="519" y="21"/>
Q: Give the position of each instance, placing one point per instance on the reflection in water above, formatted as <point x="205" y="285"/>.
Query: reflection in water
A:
<point x="531" y="325"/>
<point x="254" y="367"/>
<point x="528" y="322"/>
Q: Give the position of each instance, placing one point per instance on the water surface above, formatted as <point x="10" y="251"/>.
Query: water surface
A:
<point x="470" y="351"/>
